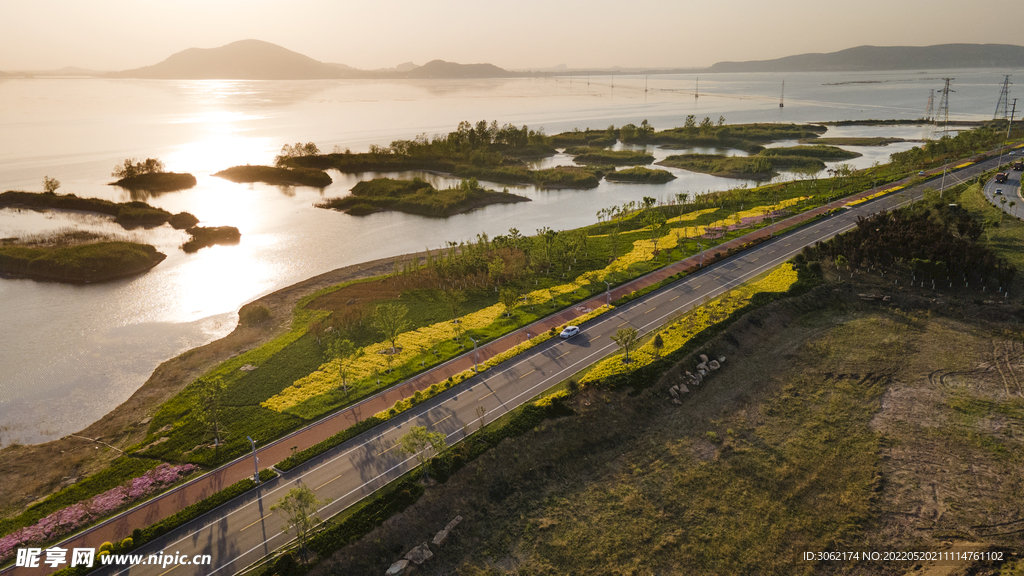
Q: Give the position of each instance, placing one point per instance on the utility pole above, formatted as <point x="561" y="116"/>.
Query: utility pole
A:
<point x="1002" y="106"/>
<point x="1008" y="126"/>
<point x="944" y="107"/>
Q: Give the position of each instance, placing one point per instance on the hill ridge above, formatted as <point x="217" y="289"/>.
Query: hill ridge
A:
<point x="879" y="58"/>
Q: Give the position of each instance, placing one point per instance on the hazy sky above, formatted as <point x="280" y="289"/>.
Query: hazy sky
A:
<point x="122" y="34"/>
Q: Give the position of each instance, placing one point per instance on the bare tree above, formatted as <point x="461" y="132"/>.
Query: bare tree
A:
<point x="50" y="185"/>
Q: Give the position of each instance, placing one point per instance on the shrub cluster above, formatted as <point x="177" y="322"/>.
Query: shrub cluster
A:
<point x="253" y="314"/>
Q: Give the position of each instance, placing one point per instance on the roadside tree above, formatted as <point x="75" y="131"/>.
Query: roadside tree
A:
<point x="342" y="349"/>
<point x="210" y="391"/>
<point x="390" y="319"/>
<point x="627" y="339"/>
<point x="299" y="508"/>
<point x="419" y="442"/>
<point x="509" y="297"/>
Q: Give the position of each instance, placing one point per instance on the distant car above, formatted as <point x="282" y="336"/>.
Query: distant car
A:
<point x="570" y="331"/>
<point x="921" y="173"/>
<point x="999" y="191"/>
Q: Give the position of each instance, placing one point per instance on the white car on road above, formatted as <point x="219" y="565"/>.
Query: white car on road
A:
<point x="569" y="332"/>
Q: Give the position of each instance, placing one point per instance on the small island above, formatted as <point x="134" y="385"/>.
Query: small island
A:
<point x="854" y="141"/>
<point x="203" y="237"/>
<point x="588" y="137"/>
<point x="76" y="257"/>
<point x="278" y="176"/>
<point x="762" y="166"/>
<point x="603" y="157"/>
<point x="150" y="175"/>
<point x="821" y="152"/>
<point x="417" y="197"/>
<point x="640" y="175"/>
<point x="127" y="214"/>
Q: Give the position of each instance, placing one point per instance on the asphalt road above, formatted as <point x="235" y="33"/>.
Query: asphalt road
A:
<point x="242" y="532"/>
<point x="1010" y="189"/>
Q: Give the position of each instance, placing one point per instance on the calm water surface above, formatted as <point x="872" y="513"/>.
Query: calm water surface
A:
<point x="69" y="354"/>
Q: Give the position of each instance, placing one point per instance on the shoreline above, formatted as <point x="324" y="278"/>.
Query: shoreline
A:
<point x="34" y="471"/>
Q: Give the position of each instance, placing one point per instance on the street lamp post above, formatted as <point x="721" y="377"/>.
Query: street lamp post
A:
<point x="701" y="247"/>
<point x="255" y="461"/>
<point x="474" y="354"/>
<point x="607" y="292"/>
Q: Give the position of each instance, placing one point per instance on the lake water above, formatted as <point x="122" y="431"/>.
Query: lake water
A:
<point x="69" y="354"/>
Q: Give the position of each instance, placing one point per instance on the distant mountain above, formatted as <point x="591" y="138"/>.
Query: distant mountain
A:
<point x="242" y="60"/>
<point x="67" y="71"/>
<point x="258" y="60"/>
<point x="442" y="69"/>
<point x="864" y="58"/>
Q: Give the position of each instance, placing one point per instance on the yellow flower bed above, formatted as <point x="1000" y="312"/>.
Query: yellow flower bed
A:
<point x="692" y="215"/>
<point x="675" y="335"/>
<point x="547" y="400"/>
<point x="756" y="211"/>
<point x="963" y="165"/>
<point x="682" y="218"/>
<point x="875" y="195"/>
<point x="327" y="378"/>
<point x="435" y="389"/>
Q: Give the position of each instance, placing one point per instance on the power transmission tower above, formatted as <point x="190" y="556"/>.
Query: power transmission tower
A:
<point x="1002" y="107"/>
<point x="931" y="105"/>
<point x="944" y="107"/>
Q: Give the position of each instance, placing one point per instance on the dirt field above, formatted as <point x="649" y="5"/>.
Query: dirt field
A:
<point x="836" y="424"/>
<point x="33" y="472"/>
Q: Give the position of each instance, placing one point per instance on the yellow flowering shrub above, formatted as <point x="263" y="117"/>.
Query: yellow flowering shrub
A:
<point x="692" y="215"/>
<point x="548" y="399"/>
<point x="327" y="377"/>
<point x="675" y="335"/>
<point x="875" y="195"/>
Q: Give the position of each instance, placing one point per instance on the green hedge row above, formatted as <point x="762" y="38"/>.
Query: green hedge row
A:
<point x="325" y="445"/>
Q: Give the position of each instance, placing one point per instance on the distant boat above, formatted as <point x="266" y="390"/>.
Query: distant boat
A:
<point x="783" y="96"/>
